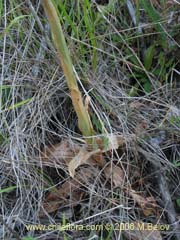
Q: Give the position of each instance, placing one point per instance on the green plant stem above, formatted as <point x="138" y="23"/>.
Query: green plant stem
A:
<point x="84" y="122"/>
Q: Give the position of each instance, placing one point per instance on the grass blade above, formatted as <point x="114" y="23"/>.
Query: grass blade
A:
<point x="8" y="189"/>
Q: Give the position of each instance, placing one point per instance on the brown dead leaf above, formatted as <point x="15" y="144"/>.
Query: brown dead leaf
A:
<point x="142" y="231"/>
<point x="69" y="190"/>
<point x="61" y="152"/>
<point x="81" y="158"/>
<point x="86" y="175"/>
<point x="136" y="105"/>
<point x="73" y="155"/>
<point x="98" y="159"/>
<point x="49" y="207"/>
<point x="148" y="204"/>
<point x="64" y="190"/>
<point x="85" y="156"/>
<point x="115" y="173"/>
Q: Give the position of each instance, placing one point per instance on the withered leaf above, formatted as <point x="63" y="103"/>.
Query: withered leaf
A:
<point x="136" y="105"/>
<point x="73" y="155"/>
<point x="60" y="153"/>
<point x="148" y="204"/>
<point x="64" y="190"/>
<point x="49" y="207"/>
<point x="69" y="189"/>
<point x="81" y="158"/>
<point x="115" y="173"/>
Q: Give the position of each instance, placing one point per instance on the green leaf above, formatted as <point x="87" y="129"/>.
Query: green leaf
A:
<point x="175" y="120"/>
<point x="178" y="202"/>
<point x="19" y="104"/>
<point x="28" y="238"/>
<point x="5" y="95"/>
<point x="13" y="22"/>
<point x="132" y="58"/>
<point x="176" y="163"/>
<point x="1" y="9"/>
<point x="147" y="87"/>
<point x="133" y="91"/>
<point x="148" y="57"/>
<point x="148" y="7"/>
<point x="156" y="71"/>
<point x="2" y="138"/>
<point x="155" y="17"/>
<point x="8" y="189"/>
<point x="101" y="101"/>
<point x="105" y="143"/>
<point x="96" y="123"/>
<point x="3" y="87"/>
<point x="161" y="60"/>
